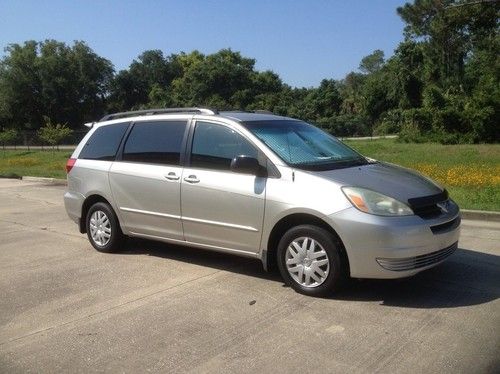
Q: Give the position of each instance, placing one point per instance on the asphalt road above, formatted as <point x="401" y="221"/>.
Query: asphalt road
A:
<point x="156" y="307"/>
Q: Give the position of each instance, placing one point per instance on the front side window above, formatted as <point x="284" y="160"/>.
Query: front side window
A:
<point x="215" y="146"/>
<point x="304" y="146"/>
<point x="103" y="143"/>
<point x="155" y="142"/>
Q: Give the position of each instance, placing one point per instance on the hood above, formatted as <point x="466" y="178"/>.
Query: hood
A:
<point x="391" y="180"/>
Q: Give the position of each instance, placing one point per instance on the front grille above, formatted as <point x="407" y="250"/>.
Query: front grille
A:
<point x="411" y="263"/>
<point x="426" y="207"/>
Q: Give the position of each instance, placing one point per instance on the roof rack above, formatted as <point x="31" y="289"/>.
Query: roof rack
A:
<point x="149" y="112"/>
<point x="258" y="111"/>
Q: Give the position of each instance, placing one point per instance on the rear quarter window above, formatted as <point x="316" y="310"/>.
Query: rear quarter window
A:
<point x="104" y="142"/>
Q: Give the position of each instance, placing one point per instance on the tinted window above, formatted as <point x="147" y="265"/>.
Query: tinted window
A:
<point x="215" y="146"/>
<point x="156" y="142"/>
<point x="104" y="142"/>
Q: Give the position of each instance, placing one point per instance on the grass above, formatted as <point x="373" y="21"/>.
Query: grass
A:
<point x="50" y="164"/>
<point x="471" y="173"/>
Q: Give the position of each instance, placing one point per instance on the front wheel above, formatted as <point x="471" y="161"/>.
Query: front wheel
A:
<point x="103" y="229"/>
<point x="309" y="260"/>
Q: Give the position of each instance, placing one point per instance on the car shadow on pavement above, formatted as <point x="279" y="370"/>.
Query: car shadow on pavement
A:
<point x="216" y="260"/>
<point x="466" y="278"/>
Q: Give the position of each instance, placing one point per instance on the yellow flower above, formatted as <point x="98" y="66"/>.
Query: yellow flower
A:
<point x="462" y="175"/>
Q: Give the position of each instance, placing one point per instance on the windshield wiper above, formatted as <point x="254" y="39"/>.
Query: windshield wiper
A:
<point x="358" y="162"/>
<point x="330" y="165"/>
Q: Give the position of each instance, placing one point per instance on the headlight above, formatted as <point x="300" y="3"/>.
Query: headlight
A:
<point x="372" y="202"/>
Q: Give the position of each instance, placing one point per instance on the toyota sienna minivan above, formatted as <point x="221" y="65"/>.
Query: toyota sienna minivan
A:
<point x="257" y="185"/>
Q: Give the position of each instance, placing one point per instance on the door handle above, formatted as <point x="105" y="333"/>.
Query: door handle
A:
<point x="192" y="179"/>
<point x="172" y="176"/>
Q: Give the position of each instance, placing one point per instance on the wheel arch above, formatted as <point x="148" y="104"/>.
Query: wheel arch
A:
<point x="87" y="203"/>
<point x="292" y="220"/>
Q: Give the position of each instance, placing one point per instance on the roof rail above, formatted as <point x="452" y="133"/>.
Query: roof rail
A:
<point x="258" y="111"/>
<point x="150" y="112"/>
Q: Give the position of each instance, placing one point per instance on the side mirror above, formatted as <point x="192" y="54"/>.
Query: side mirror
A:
<point x="247" y="165"/>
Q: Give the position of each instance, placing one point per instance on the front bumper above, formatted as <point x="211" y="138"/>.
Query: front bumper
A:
<point x="395" y="247"/>
<point x="417" y="262"/>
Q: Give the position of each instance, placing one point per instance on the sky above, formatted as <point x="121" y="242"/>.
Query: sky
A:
<point x="304" y="41"/>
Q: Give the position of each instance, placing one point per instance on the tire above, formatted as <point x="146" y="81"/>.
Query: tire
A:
<point x="319" y="275"/>
<point x="103" y="228"/>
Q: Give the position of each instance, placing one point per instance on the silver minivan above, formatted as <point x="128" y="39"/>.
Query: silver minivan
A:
<point x="258" y="185"/>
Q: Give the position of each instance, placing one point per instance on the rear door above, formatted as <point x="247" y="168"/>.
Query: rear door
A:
<point x="145" y="179"/>
<point x="221" y="208"/>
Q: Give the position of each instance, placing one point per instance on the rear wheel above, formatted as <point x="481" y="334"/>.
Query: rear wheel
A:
<point x="103" y="229"/>
<point x="309" y="260"/>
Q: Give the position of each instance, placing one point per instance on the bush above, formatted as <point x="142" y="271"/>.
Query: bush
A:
<point x="446" y="138"/>
<point x="449" y="120"/>
<point x="410" y="133"/>
<point x="347" y="125"/>
<point x="484" y="122"/>
<point x="391" y="123"/>
<point x="415" y="125"/>
<point x="433" y="97"/>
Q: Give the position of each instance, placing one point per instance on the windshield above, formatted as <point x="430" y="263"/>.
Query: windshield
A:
<point x="304" y="146"/>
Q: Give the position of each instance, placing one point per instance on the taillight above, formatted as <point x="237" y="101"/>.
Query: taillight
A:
<point x="69" y="164"/>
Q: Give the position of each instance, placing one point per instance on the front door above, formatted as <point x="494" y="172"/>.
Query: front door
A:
<point x="221" y="208"/>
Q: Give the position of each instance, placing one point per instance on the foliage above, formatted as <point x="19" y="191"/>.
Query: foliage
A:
<point x="53" y="134"/>
<point x="441" y="84"/>
<point x="372" y="63"/>
<point x="68" y="84"/>
<point x="8" y="136"/>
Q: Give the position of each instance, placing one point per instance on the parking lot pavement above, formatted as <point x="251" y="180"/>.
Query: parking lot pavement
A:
<point x="156" y="307"/>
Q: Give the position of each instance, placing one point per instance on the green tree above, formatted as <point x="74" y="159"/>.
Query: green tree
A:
<point x="322" y="104"/>
<point x="373" y="62"/>
<point x="442" y="83"/>
<point x="50" y="78"/>
<point x="350" y="90"/>
<point x="20" y="86"/>
<point x="223" y="79"/>
<point x="54" y="134"/>
<point x="458" y="65"/>
<point x="266" y="89"/>
<point x="140" y="85"/>
<point x="451" y="30"/>
<point x="8" y="137"/>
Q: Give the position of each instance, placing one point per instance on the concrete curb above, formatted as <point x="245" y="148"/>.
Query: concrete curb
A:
<point x="481" y="215"/>
<point x="53" y="181"/>
<point x="369" y="137"/>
